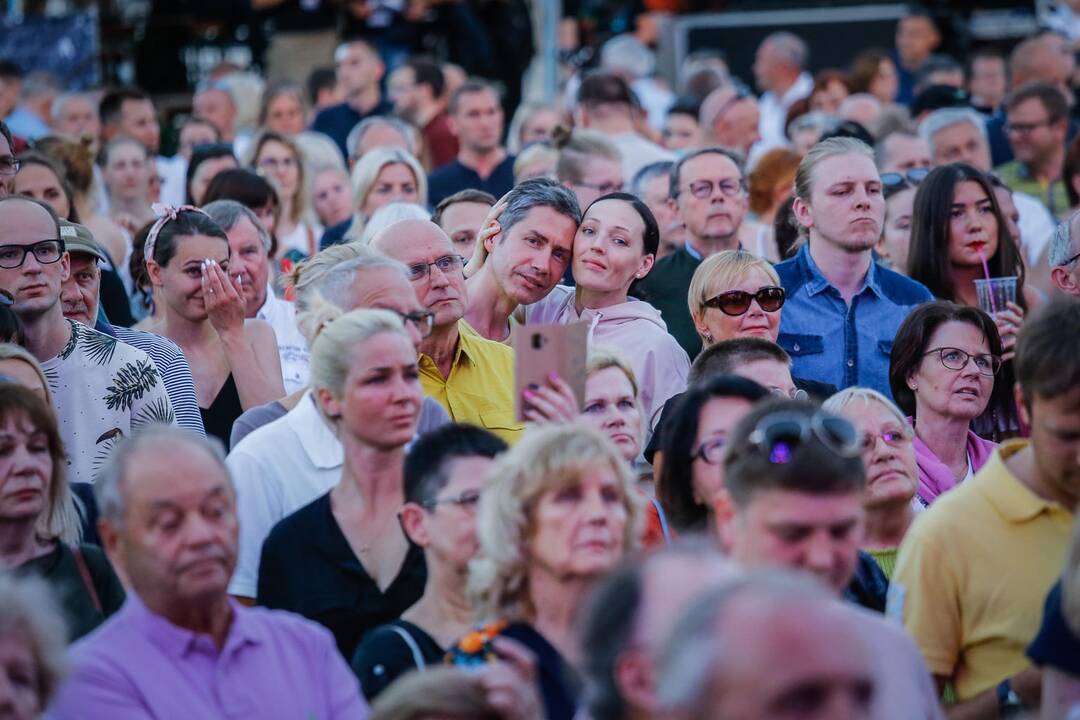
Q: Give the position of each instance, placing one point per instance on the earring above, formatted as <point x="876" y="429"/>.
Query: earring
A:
<point x="708" y="336"/>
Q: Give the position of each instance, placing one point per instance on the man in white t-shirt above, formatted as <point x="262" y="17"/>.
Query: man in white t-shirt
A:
<point x="103" y="389"/>
<point x="249" y="244"/>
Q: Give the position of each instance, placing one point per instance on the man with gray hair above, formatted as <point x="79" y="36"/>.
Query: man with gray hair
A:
<point x="628" y="617"/>
<point x="249" y="248"/>
<point x="76" y="116"/>
<point x="779" y="71"/>
<point x="284" y="464"/>
<point x="379" y="131"/>
<point x="959" y="135"/>
<point x="764" y="643"/>
<point x="168" y="520"/>
<point x="652" y="184"/>
<point x="1065" y="256"/>
<point x="525" y="258"/>
<point x="901" y="151"/>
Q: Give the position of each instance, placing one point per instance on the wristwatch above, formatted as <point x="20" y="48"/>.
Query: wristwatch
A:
<point x="1009" y="703"/>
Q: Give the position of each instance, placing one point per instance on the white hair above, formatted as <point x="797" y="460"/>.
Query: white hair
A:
<point x="390" y="214"/>
<point x="626" y="52"/>
<point x="938" y="120"/>
<point x="1061" y="243"/>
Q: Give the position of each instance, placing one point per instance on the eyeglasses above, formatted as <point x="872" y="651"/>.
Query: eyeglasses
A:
<point x="703" y="189"/>
<point x="893" y="437"/>
<point x="602" y="188"/>
<point x="711" y="451"/>
<point x="794" y="394"/>
<point x="1077" y="255"/>
<point x="422" y="320"/>
<point x="45" y="251"/>
<point x="466" y="500"/>
<point x="781" y="433"/>
<point x="913" y="176"/>
<point x="1025" y="128"/>
<point x="737" y="302"/>
<point x="275" y="163"/>
<point x="957" y="359"/>
<point x="446" y="264"/>
<point x="8" y="165"/>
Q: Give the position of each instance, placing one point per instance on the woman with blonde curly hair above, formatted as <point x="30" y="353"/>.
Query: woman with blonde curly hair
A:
<point x="559" y="510"/>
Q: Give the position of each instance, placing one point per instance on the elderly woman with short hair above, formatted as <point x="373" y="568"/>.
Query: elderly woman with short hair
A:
<point x="33" y="639"/>
<point x="891" y="473"/>
<point x="559" y="510"/>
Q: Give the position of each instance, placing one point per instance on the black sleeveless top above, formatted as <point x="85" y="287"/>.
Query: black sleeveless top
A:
<point x="218" y="419"/>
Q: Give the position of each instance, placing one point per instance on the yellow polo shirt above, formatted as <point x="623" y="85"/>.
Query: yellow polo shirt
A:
<point x="480" y="388"/>
<point x="973" y="573"/>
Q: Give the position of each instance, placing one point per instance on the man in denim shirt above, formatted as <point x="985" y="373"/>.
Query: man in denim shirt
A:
<point x="842" y="309"/>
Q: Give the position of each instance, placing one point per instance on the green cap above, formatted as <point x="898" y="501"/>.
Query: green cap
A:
<point x="78" y="238"/>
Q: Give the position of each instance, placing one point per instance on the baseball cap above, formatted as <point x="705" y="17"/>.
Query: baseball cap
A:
<point x="78" y="238"/>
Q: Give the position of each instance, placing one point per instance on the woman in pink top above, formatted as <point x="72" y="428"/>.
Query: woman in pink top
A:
<point x="941" y="373"/>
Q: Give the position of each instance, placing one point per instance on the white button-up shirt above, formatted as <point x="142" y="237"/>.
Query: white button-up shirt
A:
<point x="292" y="347"/>
<point x="773" y="111"/>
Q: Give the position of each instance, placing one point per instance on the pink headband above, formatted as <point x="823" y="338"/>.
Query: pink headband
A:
<point x="164" y="214"/>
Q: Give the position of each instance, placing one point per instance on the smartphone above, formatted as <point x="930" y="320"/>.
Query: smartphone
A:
<point x="540" y="350"/>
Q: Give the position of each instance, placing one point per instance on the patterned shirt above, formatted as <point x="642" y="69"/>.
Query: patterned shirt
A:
<point x="103" y="390"/>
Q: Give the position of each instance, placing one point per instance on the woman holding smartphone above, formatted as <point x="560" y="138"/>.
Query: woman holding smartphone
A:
<point x="615" y="245"/>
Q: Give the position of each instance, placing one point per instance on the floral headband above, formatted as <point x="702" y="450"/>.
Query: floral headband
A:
<point x="164" y="213"/>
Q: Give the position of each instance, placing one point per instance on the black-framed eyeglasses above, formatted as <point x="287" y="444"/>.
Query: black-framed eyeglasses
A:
<point x="8" y="165"/>
<point x="1025" y="128"/>
<point x="711" y="451"/>
<point x="702" y="189"/>
<point x="1074" y="257"/>
<point x="446" y="264"/>
<point x="893" y="437"/>
<point x="913" y="176"/>
<point x="957" y="359"/>
<point x="45" y="252"/>
<point x="737" y="302"/>
<point x="779" y="435"/>
<point x="422" y="320"/>
<point x="467" y="500"/>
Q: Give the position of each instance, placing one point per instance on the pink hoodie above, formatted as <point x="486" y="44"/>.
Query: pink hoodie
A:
<point x="633" y="329"/>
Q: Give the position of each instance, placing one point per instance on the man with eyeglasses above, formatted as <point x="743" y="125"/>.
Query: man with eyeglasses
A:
<point x="470" y="376"/>
<point x="103" y="389"/>
<point x="526" y="259"/>
<point x="1037" y="122"/>
<point x="708" y="189"/>
<point x="8" y="164"/>
<point x="249" y="244"/>
<point x="445" y="472"/>
<point x="1064" y="258"/>
<point x="292" y="455"/>
<point x="793" y="498"/>
<point x="974" y="569"/>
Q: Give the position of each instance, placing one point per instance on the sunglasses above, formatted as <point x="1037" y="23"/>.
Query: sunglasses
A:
<point x="913" y="176"/>
<point x="736" y="302"/>
<point x="780" y="434"/>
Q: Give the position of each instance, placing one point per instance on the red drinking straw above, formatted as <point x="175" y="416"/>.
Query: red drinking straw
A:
<point x="989" y="285"/>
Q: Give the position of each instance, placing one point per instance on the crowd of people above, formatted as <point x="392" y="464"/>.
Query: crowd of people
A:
<point x="264" y="452"/>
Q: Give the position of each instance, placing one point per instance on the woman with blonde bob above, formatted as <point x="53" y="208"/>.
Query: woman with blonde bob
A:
<point x="348" y="543"/>
<point x="559" y="511"/>
<point x="892" y="476"/>
<point x="384" y="175"/>
<point x="735" y="294"/>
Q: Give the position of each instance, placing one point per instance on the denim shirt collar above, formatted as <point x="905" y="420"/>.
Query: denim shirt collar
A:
<point x="816" y="283"/>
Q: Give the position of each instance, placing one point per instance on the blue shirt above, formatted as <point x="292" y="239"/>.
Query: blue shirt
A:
<point x="453" y="176"/>
<point x="840" y="344"/>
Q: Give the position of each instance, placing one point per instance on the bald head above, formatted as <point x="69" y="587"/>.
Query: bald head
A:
<point x="1042" y="58"/>
<point x="435" y="268"/>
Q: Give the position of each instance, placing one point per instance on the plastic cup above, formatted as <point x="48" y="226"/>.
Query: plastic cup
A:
<point x="995" y="293"/>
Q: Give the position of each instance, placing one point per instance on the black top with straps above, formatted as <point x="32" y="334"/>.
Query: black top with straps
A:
<point x="218" y="419"/>
<point x="391" y="650"/>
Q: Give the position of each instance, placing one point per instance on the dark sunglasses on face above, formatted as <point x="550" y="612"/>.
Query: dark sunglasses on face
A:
<point x="737" y="302"/>
<point x="779" y="435"/>
<point x="913" y="176"/>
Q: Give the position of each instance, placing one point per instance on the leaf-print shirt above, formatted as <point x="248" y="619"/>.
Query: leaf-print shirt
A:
<point x="103" y="390"/>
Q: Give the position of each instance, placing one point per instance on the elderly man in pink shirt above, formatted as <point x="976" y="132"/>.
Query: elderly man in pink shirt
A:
<point x="180" y="647"/>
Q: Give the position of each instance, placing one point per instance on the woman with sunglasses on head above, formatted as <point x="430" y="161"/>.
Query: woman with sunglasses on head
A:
<point x="899" y="190"/>
<point x="234" y="361"/>
<point x="615" y="245"/>
<point x="941" y="373"/>
<point x="892" y="476"/>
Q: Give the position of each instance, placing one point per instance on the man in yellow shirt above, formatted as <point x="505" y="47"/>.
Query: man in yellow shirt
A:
<point x="471" y="377"/>
<point x="974" y="569"/>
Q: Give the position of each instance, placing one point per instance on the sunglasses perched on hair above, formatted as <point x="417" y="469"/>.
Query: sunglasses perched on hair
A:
<point x="780" y="434"/>
<point x="913" y="176"/>
<point x="737" y="302"/>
